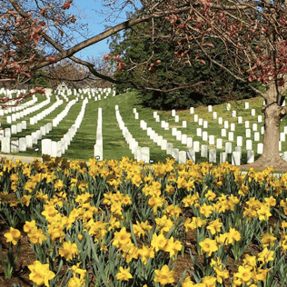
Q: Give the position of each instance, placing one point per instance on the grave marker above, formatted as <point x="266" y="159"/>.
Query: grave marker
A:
<point x="204" y="150"/>
<point x="190" y="154"/>
<point x="250" y="156"/>
<point x="212" y="156"/>
<point x="235" y="158"/>
<point x="228" y="147"/>
<point x="223" y="157"/>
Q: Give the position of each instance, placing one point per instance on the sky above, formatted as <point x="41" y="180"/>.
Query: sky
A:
<point x="89" y="13"/>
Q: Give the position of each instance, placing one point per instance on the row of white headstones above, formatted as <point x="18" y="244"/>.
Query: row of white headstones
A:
<point x="48" y="146"/>
<point x="143" y="153"/>
<point x="58" y="148"/>
<point x="236" y="154"/>
<point x="140" y="153"/>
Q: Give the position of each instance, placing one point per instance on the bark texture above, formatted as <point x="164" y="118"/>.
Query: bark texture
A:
<point x="273" y="113"/>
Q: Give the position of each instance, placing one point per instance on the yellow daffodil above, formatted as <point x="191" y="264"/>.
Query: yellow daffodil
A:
<point x="40" y="273"/>
<point x="13" y="236"/>
<point x="124" y="274"/>
<point x="164" y="275"/>
<point x="208" y="246"/>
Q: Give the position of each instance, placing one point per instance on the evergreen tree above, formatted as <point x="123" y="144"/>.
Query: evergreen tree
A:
<point x="171" y="83"/>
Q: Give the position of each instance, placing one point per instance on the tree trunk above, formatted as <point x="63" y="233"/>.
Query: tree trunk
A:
<point x="273" y="113"/>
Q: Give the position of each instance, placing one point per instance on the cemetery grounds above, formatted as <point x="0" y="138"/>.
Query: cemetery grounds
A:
<point x="120" y="222"/>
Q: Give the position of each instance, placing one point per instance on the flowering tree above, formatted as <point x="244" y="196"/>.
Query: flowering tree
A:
<point x="252" y="32"/>
<point x="254" y="36"/>
<point x="37" y="33"/>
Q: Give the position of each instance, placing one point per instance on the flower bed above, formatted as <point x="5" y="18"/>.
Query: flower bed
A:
<point x="123" y="223"/>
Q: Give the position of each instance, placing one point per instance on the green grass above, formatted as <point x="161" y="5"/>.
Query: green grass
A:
<point x="115" y="146"/>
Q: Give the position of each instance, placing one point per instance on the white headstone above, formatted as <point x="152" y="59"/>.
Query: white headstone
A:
<point x="223" y="157"/>
<point x="212" y="155"/>
<point x="39" y="134"/>
<point x="138" y="153"/>
<point x="159" y="140"/>
<point x="204" y="150"/>
<point x="235" y="158"/>
<point x="262" y="130"/>
<point x="223" y="132"/>
<point x="211" y="139"/>
<point x="189" y="142"/>
<point x="13" y="129"/>
<point x="15" y="146"/>
<point x="22" y="144"/>
<point x="178" y="135"/>
<point x="169" y="148"/>
<point x="250" y="156"/>
<point x="249" y="145"/>
<point x="239" y="149"/>
<point x="196" y="146"/>
<point x="173" y="131"/>
<point x="24" y="125"/>
<point x="214" y="115"/>
<point x="228" y="147"/>
<point x="259" y="148"/>
<point x="191" y="110"/>
<point x="145" y="154"/>
<point x="246" y="124"/>
<point x="204" y="136"/>
<point x="199" y="132"/>
<point x="19" y="127"/>
<point x="5" y="145"/>
<point x="163" y="145"/>
<point x="47" y="146"/>
<point x="175" y="154"/>
<point x="184" y="124"/>
<point x="248" y="133"/>
<point x="7" y="132"/>
<point x="239" y="141"/>
<point x="256" y="136"/>
<point x="182" y="157"/>
<point x="184" y="139"/>
<point x="190" y="154"/>
<point x="29" y="142"/>
<point x="239" y="120"/>
<point x="219" y="143"/>
<point x="231" y="136"/>
<point x="34" y="137"/>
